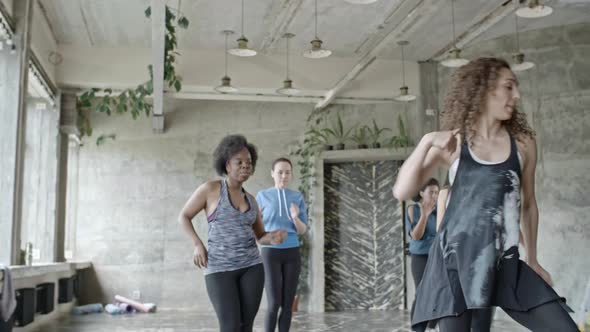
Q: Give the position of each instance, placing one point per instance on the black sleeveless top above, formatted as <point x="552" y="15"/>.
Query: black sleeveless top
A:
<point x="474" y="260"/>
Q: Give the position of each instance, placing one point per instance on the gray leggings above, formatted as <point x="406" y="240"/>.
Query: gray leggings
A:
<point x="281" y="268"/>
<point x="548" y="317"/>
<point x="236" y="296"/>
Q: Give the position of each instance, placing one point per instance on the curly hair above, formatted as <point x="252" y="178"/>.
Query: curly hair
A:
<point x="227" y="148"/>
<point x="465" y="101"/>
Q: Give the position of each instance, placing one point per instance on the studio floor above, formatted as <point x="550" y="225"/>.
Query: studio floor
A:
<point x="188" y="321"/>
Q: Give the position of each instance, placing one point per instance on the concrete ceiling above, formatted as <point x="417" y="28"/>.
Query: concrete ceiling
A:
<point x="345" y="28"/>
<point x="109" y="42"/>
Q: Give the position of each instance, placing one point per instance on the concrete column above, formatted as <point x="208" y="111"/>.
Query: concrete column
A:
<point x="69" y="145"/>
<point x="59" y="224"/>
<point x="13" y="90"/>
<point x="428" y="107"/>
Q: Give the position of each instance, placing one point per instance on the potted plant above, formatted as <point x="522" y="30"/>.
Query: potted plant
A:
<point x="339" y="133"/>
<point x="318" y="137"/>
<point x="375" y="133"/>
<point x="401" y="140"/>
<point x="361" y="137"/>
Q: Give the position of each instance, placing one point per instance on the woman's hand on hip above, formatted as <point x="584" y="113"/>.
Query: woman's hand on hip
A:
<point x="200" y="256"/>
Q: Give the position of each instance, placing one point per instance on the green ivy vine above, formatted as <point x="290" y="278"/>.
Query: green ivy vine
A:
<point x="133" y="100"/>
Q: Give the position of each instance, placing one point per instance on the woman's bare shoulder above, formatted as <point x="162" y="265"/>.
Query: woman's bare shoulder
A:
<point x="210" y="188"/>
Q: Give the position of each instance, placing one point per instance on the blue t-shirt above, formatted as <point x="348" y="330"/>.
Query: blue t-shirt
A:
<point x="275" y="205"/>
<point x="422" y="246"/>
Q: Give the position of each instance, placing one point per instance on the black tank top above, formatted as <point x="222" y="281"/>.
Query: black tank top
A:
<point x="481" y="222"/>
<point x="474" y="261"/>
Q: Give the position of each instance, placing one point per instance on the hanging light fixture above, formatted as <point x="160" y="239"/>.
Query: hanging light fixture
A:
<point x="226" y="86"/>
<point x="242" y="49"/>
<point x="454" y="60"/>
<point x="534" y="10"/>
<point x="519" y="63"/>
<point x="288" y="88"/>
<point x="316" y="51"/>
<point x="361" y="2"/>
<point x="404" y="95"/>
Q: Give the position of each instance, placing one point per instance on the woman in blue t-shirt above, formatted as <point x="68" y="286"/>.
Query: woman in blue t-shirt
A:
<point x="421" y="226"/>
<point x="281" y="208"/>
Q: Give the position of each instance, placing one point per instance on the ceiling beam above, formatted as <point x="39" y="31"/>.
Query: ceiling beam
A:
<point x="158" y="16"/>
<point x="252" y="94"/>
<point x="402" y="16"/>
<point x="86" y="28"/>
<point x="482" y="24"/>
<point x="277" y="22"/>
<point x="43" y="12"/>
<point x="259" y="97"/>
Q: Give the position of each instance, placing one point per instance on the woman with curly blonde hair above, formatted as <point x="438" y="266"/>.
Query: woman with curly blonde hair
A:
<point x="491" y="154"/>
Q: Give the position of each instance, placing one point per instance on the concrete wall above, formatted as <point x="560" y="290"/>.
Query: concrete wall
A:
<point x="556" y="97"/>
<point x="132" y="189"/>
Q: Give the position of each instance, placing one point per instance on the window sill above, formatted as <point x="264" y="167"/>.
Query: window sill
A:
<point x="39" y="269"/>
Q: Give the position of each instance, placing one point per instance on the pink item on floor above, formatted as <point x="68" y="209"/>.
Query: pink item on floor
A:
<point x="143" y="307"/>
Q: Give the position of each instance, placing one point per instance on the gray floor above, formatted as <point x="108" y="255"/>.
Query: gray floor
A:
<point x="188" y="321"/>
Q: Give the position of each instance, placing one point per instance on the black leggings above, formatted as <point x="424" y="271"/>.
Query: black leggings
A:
<point x="417" y="265"/>
<point x="281" y="269"/>
<point x="548" y="317"/>
<point x="236" y="296"/>
<point x="481" y="319"/>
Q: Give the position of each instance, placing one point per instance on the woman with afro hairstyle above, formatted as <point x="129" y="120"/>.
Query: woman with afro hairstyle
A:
<point x="491" y="154"/>
<point x="234" y="274"/>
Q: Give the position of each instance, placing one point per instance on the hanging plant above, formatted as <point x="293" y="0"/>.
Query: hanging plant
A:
<point x="133" y="100"/>
<point x="314" y="141"/>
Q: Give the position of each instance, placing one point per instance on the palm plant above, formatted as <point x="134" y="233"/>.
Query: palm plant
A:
<point x="339" y="133"/>
<point x="401" y="140"/>
<point x="361" y="137"/>
<point x="375" y="133"/>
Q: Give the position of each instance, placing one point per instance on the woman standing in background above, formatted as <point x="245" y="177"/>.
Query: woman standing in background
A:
<point x="281" y="208"/>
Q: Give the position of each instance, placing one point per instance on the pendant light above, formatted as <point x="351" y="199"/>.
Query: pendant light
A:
<point x="242" y="49"/>
<point x="454" y="60"/>
<point x="288" y="88"/>
<point x="404" y="94"/>
<point x="316" y="51"/>
<point x="519" y="63"/>
<point x="534" y="10"/>
<point x="226" y="86"/>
